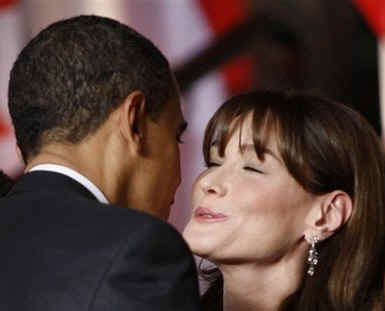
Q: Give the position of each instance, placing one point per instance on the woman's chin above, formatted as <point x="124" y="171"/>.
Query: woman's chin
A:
<point x="198" y="248"/>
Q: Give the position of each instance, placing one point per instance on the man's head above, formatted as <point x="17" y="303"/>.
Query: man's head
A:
<point x="93" y="94"/>
<point x="73" y="74"/>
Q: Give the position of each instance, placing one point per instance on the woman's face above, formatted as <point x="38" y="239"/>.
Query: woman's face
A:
<point x="245" y="209"/>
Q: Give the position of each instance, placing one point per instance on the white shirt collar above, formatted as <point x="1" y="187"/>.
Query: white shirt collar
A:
<point x="74" y="175"/>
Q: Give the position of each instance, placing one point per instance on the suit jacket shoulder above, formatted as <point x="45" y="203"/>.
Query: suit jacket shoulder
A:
<point x="66" y="251"/>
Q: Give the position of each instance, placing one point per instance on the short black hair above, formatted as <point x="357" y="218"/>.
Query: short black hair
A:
<point x="74" y="73"/>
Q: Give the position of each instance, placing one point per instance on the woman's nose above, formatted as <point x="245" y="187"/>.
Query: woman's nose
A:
<point x="213" y="185"/>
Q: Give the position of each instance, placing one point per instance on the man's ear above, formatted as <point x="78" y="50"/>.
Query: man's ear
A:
<point x="329" y="214"/>
<point x="132" y="119"/>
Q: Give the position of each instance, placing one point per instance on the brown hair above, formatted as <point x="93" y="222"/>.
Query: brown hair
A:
<point x="325" y="146"/>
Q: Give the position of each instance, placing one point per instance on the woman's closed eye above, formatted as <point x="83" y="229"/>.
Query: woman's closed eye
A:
<point x="253" y="169"/>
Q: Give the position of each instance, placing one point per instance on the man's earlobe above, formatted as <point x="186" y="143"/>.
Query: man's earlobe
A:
<point x="333" y="212"/>
<point x="132" y="119"/>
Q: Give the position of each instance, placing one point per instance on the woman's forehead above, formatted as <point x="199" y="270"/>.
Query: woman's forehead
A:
<point x="249" y="138"/>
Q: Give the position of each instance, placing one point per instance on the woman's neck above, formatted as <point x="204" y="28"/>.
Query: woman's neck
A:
<point x="261" y="287"/>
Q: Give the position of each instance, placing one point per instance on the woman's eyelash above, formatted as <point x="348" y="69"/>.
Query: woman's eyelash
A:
<point x="249" y="168"/>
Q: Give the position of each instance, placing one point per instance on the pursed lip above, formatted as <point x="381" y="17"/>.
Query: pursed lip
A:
<point x="204" y="214"/>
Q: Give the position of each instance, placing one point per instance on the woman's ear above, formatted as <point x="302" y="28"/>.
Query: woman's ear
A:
<point x="132" y="119"/>
<point x="329" y="214"/>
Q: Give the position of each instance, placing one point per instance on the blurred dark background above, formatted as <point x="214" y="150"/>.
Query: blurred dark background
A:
<point x="322" y="46"/>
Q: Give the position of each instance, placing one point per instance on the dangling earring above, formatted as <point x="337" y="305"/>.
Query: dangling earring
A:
<point x="312" y="258"/>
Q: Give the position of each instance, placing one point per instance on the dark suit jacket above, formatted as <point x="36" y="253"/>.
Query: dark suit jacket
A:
<point x="62" y="250"/>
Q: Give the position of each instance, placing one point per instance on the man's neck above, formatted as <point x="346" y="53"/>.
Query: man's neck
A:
<point x="80" y="160"/>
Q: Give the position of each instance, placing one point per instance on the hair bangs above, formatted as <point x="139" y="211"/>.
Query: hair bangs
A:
<point x="264" y="127"/>
<point x="220" y="129"/>
<point x="231" y="117"/>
